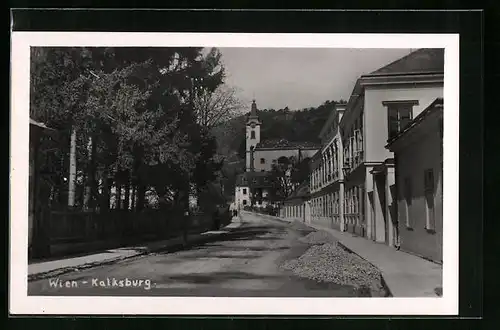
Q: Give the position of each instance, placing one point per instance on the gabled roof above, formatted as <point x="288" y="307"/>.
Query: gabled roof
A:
<point x="436" y="105"/>
<point x="253" y="179"/>
<point x="419" y="61"/>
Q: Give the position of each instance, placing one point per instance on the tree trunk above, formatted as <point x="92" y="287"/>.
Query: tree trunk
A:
<point x="141" y="197"/>
<point x="72" y="169"/>
<point x="118" y="198"/>
<point x="105" y="192"/>
<point x="126" y="202"/>
<point x="134" y="200"/>
<point x="90" y="176"/>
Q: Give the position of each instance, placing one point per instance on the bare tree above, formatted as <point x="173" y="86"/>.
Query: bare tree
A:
<point x="219" y="106"/>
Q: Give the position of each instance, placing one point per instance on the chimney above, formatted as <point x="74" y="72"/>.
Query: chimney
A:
<point x="340" y="109"/>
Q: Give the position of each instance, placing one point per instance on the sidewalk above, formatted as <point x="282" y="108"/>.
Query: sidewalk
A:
<point x="405" y="275"/>
<point x="57" y="267"/>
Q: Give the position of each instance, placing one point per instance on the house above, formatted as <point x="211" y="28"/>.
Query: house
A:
<point x="297" y="205"/>
<point x="353" y="184"/>
<point x="252" y="188"/>
<point x="418" y="154"/>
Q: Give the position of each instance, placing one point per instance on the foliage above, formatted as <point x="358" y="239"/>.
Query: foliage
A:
<point x="136" y="106"/>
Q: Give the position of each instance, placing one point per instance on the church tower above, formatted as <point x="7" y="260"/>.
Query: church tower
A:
<point x="252" y="136"/>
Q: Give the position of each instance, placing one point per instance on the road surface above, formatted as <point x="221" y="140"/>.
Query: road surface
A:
<point x="243" y="263"/>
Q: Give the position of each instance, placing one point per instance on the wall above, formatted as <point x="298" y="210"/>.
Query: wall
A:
<point x="269" y="156"/>
<point x="375" y="114"/>
<point x="413" y="159"/>
<point x="252" y="142"/>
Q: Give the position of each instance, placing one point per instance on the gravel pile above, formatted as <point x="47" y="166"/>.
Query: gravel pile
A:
<point x="318" y="237"/>
<point x="331" y="263"/>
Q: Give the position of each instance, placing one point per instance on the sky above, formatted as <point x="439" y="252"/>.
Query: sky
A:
<point x="300" y="77"/>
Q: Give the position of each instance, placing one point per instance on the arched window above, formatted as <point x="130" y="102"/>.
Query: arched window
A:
<point x="252" y="134"/>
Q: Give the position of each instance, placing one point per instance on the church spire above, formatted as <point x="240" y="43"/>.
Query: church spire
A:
<point x="253" y="111"/>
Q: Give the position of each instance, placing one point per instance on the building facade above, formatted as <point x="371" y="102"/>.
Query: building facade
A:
<point x="352" y="181"/>
<point x="297" y="207"/>
<point x="326" y="178"/>
<point x="418" y="154"/>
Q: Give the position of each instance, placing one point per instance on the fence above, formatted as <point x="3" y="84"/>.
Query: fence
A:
<point x="67" y="227"/>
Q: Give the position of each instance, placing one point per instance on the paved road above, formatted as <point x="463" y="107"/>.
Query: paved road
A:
<point x="245" y="262"/>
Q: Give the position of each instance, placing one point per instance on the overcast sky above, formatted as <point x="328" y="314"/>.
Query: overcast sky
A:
<point x="300" y="77"/>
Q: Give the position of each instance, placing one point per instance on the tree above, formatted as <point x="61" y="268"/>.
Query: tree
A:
<point x="213" y="108"/>
<point x="281" y="178"/>
<point x="133" y="104"/>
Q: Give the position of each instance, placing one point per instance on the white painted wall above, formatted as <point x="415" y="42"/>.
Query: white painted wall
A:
<point x="240" y="196"/>
<point x="375" y="114"/>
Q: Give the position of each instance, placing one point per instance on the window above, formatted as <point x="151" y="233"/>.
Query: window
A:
<point x="430" y="223"/>
<point x="252" y="134"/>
<point x="244" y="191"/>
<point x="244" y="202"/>
<point x="399" y="115"/>
<point x="262" y="160"/>
<point x="408" y="200"/>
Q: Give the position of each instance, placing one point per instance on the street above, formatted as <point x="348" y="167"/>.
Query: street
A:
<point x="245" y="262"/>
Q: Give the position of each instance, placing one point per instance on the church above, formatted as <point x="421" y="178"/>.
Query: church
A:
<point x="254" y="186"/>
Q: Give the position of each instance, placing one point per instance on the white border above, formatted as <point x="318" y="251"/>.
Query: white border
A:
<point x="21" y="303"/>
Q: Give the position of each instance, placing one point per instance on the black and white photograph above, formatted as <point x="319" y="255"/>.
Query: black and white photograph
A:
<point x="297" y="173"/>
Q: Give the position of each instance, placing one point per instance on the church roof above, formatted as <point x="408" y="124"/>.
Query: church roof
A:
<point x="253" y="179"/>
<point x="285" y="144"/>
<point x="253" y="116"/>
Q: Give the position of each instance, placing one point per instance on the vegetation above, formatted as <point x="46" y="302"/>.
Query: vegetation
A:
<point x="142" y="118"/>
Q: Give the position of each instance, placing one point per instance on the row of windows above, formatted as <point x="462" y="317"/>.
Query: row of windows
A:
<point x="329" y="205"/>
<point x="328" y="170"/>
<point x="353" y="144"/>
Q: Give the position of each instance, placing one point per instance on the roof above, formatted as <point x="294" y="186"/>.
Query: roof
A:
<point x="285" y="144"/>
<point x="420" y="61"/>
<point x="38" y="124"/>
<point x="436" y="105"/>
<point x="46" y="130"/>
<point x="253" y="179"/>
<point x="253" y="116"/>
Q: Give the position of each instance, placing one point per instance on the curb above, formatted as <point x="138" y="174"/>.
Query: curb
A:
<point x="198" y="239"/>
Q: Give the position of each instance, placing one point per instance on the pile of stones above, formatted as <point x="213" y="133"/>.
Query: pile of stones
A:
<point x="330" y="262"/>
<point x="318" y="238"/>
